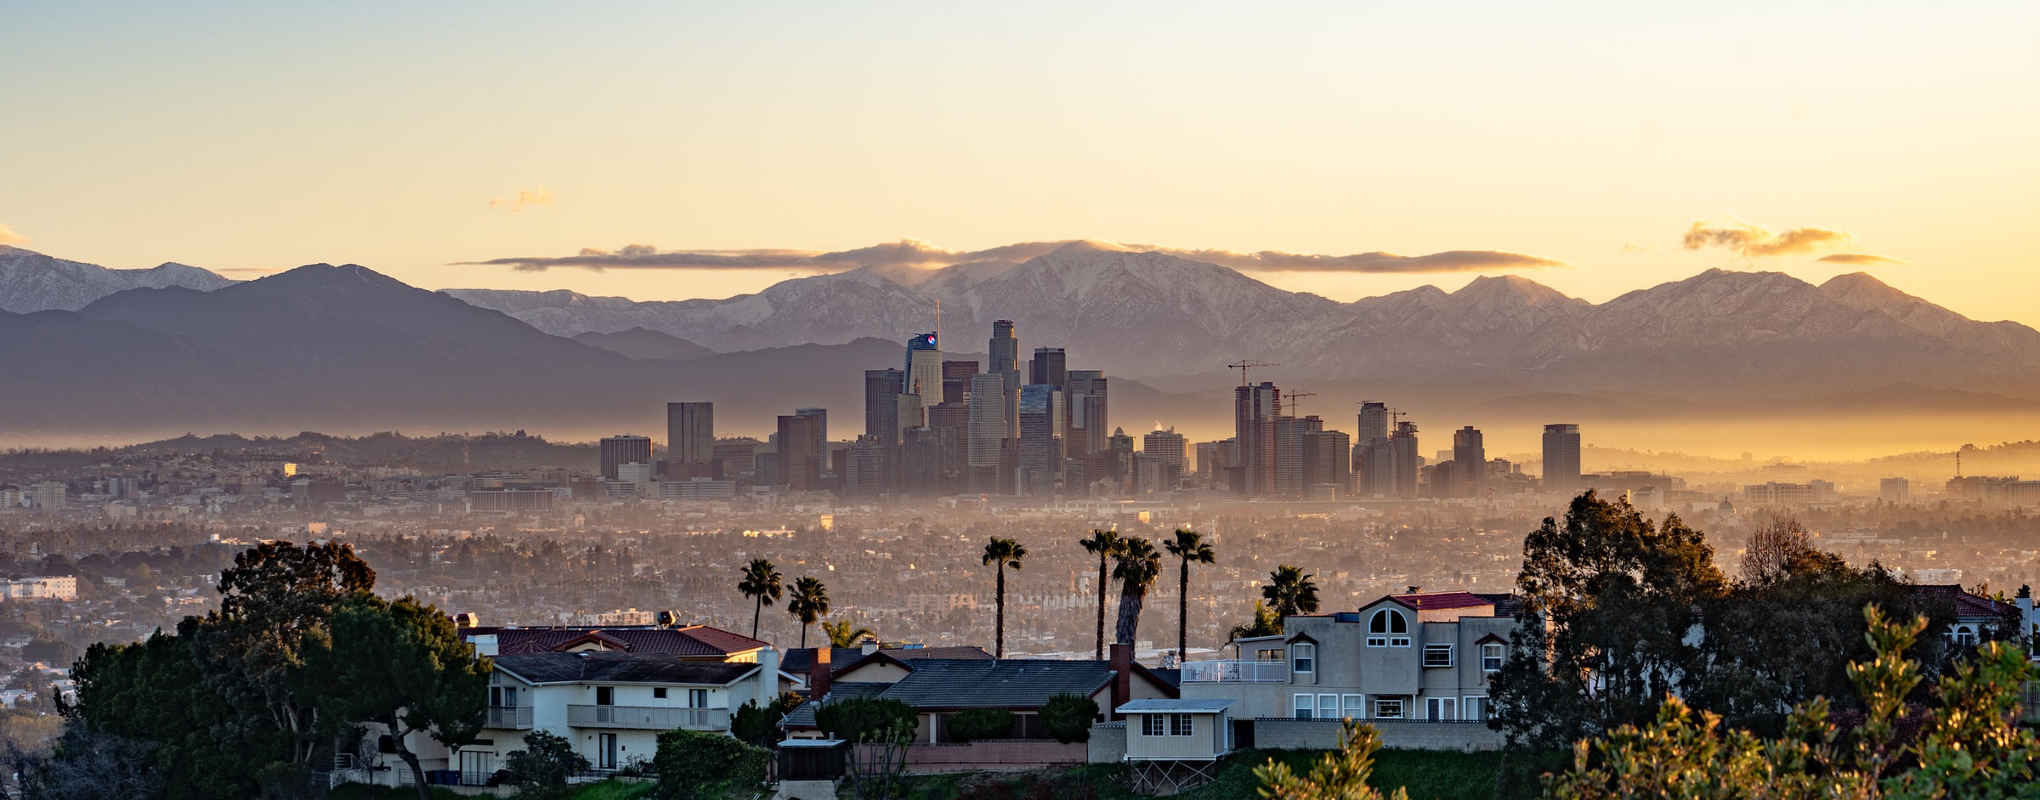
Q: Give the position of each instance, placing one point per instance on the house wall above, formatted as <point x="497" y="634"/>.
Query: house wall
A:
<point x="875" y="672"/>
<point x="1206" y="739"/>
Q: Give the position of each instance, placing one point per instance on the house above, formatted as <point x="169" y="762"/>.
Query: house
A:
<point x="1977" y="618"/>
<point x="1417" y="656"/>
<point x="694" y="642"/>
<point x="801" y="660"/>
<point x="1172" y="744"/>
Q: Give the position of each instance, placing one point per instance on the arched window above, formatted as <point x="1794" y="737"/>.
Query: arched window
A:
<point x="1388" y="628"/>
<point x="1965" y="635"/>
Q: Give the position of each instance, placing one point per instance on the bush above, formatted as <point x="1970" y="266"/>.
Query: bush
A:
<point x="976" y="724"/>
<point x="1068" y="717"/>
<point x="542" y="768"/>
<point x="759" y="725"/>
<point x="694" y="765"/>
<point x="861" y="719"/>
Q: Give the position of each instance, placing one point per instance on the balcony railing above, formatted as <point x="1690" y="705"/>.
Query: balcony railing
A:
<point x="649" y="718"/>
<point x="1235" y="672"/>
<point x="515" y="718"/>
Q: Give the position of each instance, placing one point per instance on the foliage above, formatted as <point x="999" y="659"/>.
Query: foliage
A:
<point x="759" y="725"/>
<point x="1068" y="717"/>
<point x="761" y="583"/>
<point x="542" y="768"/>
<point x="1000" y="554"/>
<point x="978" y="723"/>
<point x="1104" y="544"/>
<point x="694" y="764"/>
<point x="1265" y="623"/>
<point x="1187" y="546"/>
<point x="844" y="633"/>
<point x="1136" y="566"/>
<point x="1290" y="591"/>
<point x="1338" y="775"/>
<point x="887" y="726"/>
<point x="403" y="665"/>
<point x="1601" y="637"/>
<point x="859" y="719"/>
<point x="91" y="766"/>
<point x="809" y="602"/>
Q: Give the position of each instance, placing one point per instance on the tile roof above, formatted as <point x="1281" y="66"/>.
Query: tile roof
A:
<point x="1011" y="683"/>
<point x="799" y="659"/>
<point x="619" y="668"/>
<point x="803" y="716"/>
<point x="1435" y="601"/>
<point x="693" y="640"/>
<point x="1967" y="605"/>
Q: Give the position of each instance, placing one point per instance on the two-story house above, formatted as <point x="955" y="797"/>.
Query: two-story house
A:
<point x="1403" y="657"/>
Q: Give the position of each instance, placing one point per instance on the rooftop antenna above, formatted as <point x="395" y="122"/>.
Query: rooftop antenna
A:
<point x="1245" y="364"/>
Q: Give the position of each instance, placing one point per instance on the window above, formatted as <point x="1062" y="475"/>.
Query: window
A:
<point x="503" y="696"/>
<point x="1327" y="706"/>
<point x="1304" y="658"/>
<point x="1437" y="655"/>
<point x="1268" y="655"/>
<point x="1179" y="724"/>
<point x="1491" y="658"/>
<point x="1441" y="708"/>
<point x="1964" y="634"/>
<point x="1383" y="627"/>
<point x="605" y="751"/>
<point x="605" y="695"/>
<point x="1151" y="725"/>
<point x="1475" y="708"/>
<point x="1302" y="706"/>
<point x="659" y="692"/>
<point x="697" y="698"/>
<point x="1354" y="706"/>
<point x="1388" y="709"/>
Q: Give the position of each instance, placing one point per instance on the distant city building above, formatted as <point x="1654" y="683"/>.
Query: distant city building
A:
<point x="1004" y="349"/>
<point x="509" y="500"/>
<point x="1895" y="490"/>
<point x="1167" y="447"/>
<point x="1289" y="456"/>
<point x="1776" y="493"/>
<point x="624" y="449"/>
<point x="924" y="368"/>
<point x="690" y="439"/>
<point x="956" y="377"/>
<point x="1326" y="462"/>
<point x="64" y="587"/>
<point x="821" y="431"/>
<point x="736" y="457"/>
<point x="1561" y="456"/>
<point x="1403" y="444"/>
<point x="1469" y="454"/>
<point x="1050" y="366"/>
<point x="46" y="496"/>
<point x="799" y="464"/>
<point x="987" y="426"/>
<point x="1254" y="411"/>
<point x="1373" y="422"/>
<point x="1041" y="426"/>
<point x="881" y="409"/>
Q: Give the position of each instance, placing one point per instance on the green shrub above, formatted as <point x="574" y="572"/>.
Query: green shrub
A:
<point x="1068" y="717"/>
<point x="542" y="768"/>
<point x="860" y="719"/>
<point x="696" y="766"/>
<point x="757" y="724"/>
<point x="976" y="724"/>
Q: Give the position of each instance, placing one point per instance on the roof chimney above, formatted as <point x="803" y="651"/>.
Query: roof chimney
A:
<point x="818" y="673"/>
<point x="1122" y="678"/>
<point x="868" y="646"/>
<point x="1413" y="589"/>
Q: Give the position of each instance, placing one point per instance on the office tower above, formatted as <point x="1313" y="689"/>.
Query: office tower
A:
<point x="1469" y="456"/>
<point x="624" y="449"/>
<point x="690" y="439"/>
<point x="1088" y="423"/>
<point x="956" y="377"/>
<point x="821" y="432"/>
<point x="1254" y="411"/>
<point x="1040" y="437"/>
<point x="924" y="367"/>
<point x="864" y="467"/>
<point x="1005" y="361"/>
<point x="987" y="423"/>
<point x="799" y="463"/>
<point x="1289" y="457"/>
<point x="881" y="411"/>
<point x="1894" y="490"/>
<point x="1210" y="465"/>
<point x="736" y="458"/>
<point x="1378" y="467"/>
<point x="1167" y="448"/>
<point x="1050" y="366"/>
<point x="1561" y="456"/>
<point x="1327" y="461"/>
<point x="1373" y="422"/>
<point x="1403" y="445"/>
<point x="1119" y="457"/>
<point x="911" y="414"/>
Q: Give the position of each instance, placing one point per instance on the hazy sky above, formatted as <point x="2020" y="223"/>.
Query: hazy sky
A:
<point x="252" y="138"/>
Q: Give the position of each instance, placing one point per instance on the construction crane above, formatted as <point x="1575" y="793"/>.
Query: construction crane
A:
<point x="1292" y="397"/>
<point x="1245" y="364"/>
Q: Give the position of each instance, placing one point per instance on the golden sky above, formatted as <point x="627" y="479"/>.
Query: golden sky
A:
<point x="248" y="138"/>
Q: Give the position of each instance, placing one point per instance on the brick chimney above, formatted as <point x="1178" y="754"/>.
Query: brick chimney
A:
<point x="1122" y="678"/>
<point x="818" y="674"/>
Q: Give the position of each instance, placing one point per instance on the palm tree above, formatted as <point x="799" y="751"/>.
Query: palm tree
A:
<point x="761" y="584"/>
<point x="810" y="602"/>
<point x="1104" y="545"/>
<point x="1189" y="546"/>
<point x="844" y="633"/>
<point x="1138" y="565"/>
<point x="1002" y="553"/>
<point x="1290" y="591"/>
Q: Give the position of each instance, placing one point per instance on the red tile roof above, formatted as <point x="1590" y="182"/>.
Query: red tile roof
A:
<point x="699" y="641"/>
<point x="1967" y="605"/>
<point x="1442" y="600"/>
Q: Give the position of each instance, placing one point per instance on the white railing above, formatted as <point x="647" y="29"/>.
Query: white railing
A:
<point x="649" y="718"/>
<point x="1235" y="672"/>
<point x="515" y="718"/>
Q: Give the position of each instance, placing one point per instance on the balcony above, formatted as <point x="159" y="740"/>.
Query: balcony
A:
<point x="1235" y="672"/>
<point x="649" y="718"/>
<point x="514" y="718"/>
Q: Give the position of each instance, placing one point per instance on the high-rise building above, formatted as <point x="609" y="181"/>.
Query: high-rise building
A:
<point x="1119" y="457"/>
<point x="1289" y="455"/>
<point x="924" y="367"/>
<point x="956" y="377"/>
<point x="1469" y="457"/>
<point x="987" y="422"/>
<point x="821" y="431"/>
<point x="1167" y="447"/>
<point x="1327" y="461"/>
<point x="1040" y="437"/>
<point x="1211" y="463"/>
<point x="624" y="449"/>
<point x="1086" y="398"/>
<point x="1254" y="411"/>
<point x="1403" y="445"/>
<point x="1894" y="490"/>
<point x="1050" y="366"/>
<point x="1004" y="348"/>
<point x="1561" y="456"/>
<point x="1376" y="461"/>
<point x="799" y="463"/>
<point x="881" y="410"/>
<point x="1373" y="422"/>
<point x="690" y="439"/>
<point x="736" y="458"/>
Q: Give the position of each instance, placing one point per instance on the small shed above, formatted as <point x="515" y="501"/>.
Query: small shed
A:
<point x="1173" y="744"/>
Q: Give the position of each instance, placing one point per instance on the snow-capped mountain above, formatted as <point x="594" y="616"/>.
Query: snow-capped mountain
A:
<point x="31" y="281"/>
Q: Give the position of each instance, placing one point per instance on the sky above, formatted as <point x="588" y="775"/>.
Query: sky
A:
<point x="249" y="138"/>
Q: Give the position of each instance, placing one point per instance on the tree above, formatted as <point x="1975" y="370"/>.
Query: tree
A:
<point x="887" y="726"/>
<point x="1103" y="544"/>
<point x="1068" y="717"/>
<point x="695" y="764"/>
<point x="1138" y="565"/>
<point x="1265" y="624"/>
<point x="1000" y="554"/>
<point x="1338" y="775"/>
<point x="1187" y="546"/>
<point x="1608" y="602"/>
<point x="1290" y="591"/>
<point x="758" y="724"/>
<point x="542" y="768"/>
<point x="1772" y="547"/>
<point x="809" y="602"/>
<point x="761" y="584"/>
<point x="402" y="665"/>
<point x="844" y="633"/>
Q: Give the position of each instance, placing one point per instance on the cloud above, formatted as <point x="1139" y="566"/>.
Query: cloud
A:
<point x="1753" y="241"/>
<point x="8" y="236"/>
<point x="911" y="253"/>
<point x="524" y="198"/>
<point x="1858" y="258"/>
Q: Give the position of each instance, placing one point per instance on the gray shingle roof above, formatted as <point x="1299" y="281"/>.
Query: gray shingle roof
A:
<point x="803" y="716"/>
<point x="619" y="668"/>
<point x="1170" y="705"/>
<point x="1012" y="683"/>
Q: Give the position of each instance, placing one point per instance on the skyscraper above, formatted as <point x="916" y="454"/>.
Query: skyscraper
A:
<point x="881" y="410"/>
<point x="624" y="449"/>
<point x="1050" y="366"/>
<point x="1254" y="411"/>
<point x="1040" y="437"/>
<point x="987" y="425"/>
<point x="690" y="440"/>
<point x="924" y="368"/>
<point x="1469" y="462"/>
<point x="1373" y="422"/>
<point x="1561" y="456"/>
<point x="1167" y="447"/>
<point x="956" y="377"/>
<point x="1290" y="474"/>
<point x="1004" y="348"/>
<point x="1088" y="422"/>
<point x="821" y="431"/>
<point x="1402" y="446"/>
<point x="1327" y="461"/>
<point x="799" y="463"/>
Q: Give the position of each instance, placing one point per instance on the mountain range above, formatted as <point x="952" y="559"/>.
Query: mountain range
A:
<point x="349" y="350"/>
<point x="31" y="281"/>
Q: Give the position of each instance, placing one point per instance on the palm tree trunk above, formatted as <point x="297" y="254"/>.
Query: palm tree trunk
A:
<point x="756" y="608"/>
<point x="1129" y="615"/>
<point x="1183" y="613"/>
<point x="1100" y="654"/>
<point x="999" y="618"/>
<point x="803" y="634"/>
